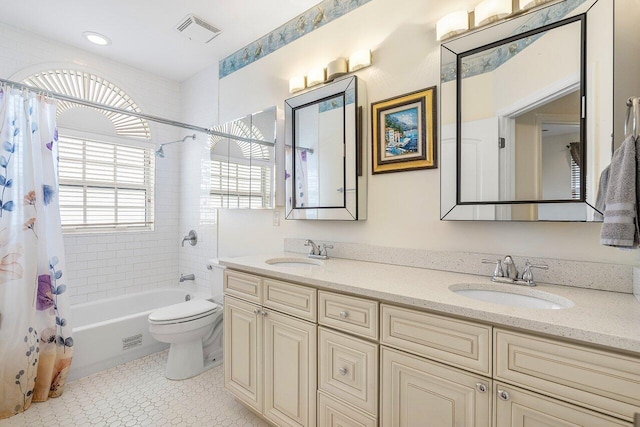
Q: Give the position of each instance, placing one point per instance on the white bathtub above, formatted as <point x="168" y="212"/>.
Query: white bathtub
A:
<point x="115" y="330"/>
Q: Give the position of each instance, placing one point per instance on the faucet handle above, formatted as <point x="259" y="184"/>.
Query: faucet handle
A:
<point x="527" y="274"/>
<point x="498" y="270"/>
<point x="323" y="249"/>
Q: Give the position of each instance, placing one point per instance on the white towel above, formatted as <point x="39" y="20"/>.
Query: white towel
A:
<point x="620" y="227"/>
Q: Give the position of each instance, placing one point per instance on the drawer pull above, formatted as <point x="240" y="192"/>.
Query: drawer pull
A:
<point x="481" y="388"/>
<point x="343" y="371"/>
<point x="344" y="314"/>
<point x="503" y="395"/>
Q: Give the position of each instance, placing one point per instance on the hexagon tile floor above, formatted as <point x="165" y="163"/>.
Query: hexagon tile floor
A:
<point x="138" y="394"/>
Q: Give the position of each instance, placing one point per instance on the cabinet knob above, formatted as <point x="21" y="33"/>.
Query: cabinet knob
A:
<point x="503" y="395"/>
<point x="264" y="312"/>
<point x="344" y="314"/>
<point x="256" y="311"/>
<point x="481" y="388"/>
<point x="343" y="371"/>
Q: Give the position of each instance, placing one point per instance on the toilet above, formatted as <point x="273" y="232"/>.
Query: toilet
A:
<point x="184" y="326"/>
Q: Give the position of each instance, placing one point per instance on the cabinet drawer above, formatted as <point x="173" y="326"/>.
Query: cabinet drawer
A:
<point x="292" y="299"/>
<point x="419" y="392"/>
<point x="456" y="342"/>
<point x="243" y="285"/>
<point x="605" y="381"/>
<point x="519" y="408"/>
<point x="334" y="413"/>
<point x="348" y="369"/>
<point x="356" y="315"/>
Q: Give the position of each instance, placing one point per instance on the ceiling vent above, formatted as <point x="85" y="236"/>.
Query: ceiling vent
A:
<point x="196" y="29"/>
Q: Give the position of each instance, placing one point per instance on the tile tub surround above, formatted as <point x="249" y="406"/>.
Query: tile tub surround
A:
<point x="603" y="318"/>
<point x="582" y="274"/>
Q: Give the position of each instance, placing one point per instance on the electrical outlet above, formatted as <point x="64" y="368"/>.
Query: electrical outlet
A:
<point x="276" y="218"/>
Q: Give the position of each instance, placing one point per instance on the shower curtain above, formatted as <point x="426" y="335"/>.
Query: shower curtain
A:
<point x="35" y="337"/>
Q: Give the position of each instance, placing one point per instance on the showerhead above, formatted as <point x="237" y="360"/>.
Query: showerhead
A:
<point x="160" y="151"/>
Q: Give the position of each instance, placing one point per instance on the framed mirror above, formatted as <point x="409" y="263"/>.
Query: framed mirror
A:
<point x="526" y="115"/>
<point x="242" y="168"/>
<point x="323" y="153"/>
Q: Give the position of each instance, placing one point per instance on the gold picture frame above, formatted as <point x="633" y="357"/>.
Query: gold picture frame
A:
<point x="404" y="132"/>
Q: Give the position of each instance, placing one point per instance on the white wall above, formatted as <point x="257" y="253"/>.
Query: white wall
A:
<point x="406" y="58"/>
<point x="101" y="265"/>
<point x="199" y="107"/>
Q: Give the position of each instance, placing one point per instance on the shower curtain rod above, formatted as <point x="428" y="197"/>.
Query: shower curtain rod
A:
<point x="63" y="97"/>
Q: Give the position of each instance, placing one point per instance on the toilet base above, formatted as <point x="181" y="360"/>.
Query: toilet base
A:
<point x="185" y="360"/>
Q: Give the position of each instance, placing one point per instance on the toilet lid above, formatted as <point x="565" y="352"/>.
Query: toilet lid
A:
<point x="184" y="310"/>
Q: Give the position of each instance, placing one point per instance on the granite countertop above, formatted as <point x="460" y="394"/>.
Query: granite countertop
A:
<point x="604" y="318"/>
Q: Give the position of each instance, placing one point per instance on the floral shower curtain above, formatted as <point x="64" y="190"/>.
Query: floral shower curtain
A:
<point x="35" y="336"/>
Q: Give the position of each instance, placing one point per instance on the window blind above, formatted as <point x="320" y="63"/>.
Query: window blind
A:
<point x="105" y="186"/>
<point x="240" y="186"/>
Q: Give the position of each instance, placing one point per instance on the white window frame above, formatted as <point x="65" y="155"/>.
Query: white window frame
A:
<point x="266" y="184"/>
<point x="89" y="228"/>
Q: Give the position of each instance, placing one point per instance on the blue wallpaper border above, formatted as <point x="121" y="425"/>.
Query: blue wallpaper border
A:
<point x="493" y="59"/>
<point x="310" y="20"/>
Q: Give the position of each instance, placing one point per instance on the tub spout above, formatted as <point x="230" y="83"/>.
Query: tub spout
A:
<point x="184" y="277"/>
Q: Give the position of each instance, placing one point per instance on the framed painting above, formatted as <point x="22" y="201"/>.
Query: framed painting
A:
<point x="404" y="132"/>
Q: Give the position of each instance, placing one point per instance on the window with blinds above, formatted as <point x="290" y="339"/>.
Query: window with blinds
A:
<point x="105" y="186"/>
<point x="240" y="186"/>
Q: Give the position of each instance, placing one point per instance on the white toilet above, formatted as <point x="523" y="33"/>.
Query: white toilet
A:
<point x="184" y="326"/>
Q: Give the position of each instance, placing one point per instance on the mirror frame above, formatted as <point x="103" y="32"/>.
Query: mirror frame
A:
<point x="352" y="208"/>
<point x="486" y="38"/>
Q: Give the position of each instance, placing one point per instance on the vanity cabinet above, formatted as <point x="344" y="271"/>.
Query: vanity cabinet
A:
<point x="301" y="356"/>
<point x="414" y="390"/>
<point x="270" y="354"/>
<point x="515" y="407"/>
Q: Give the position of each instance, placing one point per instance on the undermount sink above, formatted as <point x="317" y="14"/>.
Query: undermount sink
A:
<point x="294" y="262"/>
<point x="520" y="297"/>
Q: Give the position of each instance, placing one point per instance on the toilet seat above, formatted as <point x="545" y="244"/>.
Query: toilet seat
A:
<point x="183" y="312"/>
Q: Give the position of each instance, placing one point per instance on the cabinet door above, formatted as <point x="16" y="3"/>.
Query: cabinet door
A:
<point x="416" y="393"/>
<point x="243" y="351"/>
<point x="515" y="407"/>
<point x="289" y="370"/>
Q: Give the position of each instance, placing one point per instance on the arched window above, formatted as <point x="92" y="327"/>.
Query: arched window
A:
<point x="106" y="162"/>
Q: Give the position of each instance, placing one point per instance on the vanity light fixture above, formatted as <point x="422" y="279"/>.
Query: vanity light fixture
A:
<point x="96" y="38"/>
<point x="336" y="68"/>
<point x="452" y="24"/>
<point x="360" y="59"/>
<point x="297" y="83"/>
<point x="528" y="4"/>
<point x="489" y="11"/>
<point x="315" y="76"/>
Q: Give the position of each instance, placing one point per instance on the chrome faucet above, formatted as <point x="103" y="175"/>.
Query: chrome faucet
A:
<point x="510" y="269"/>
<point x="315" y="251"/>
<point x="509" y="274"/>
<point x="192" y="238"/>
<point x="184" y="277"/>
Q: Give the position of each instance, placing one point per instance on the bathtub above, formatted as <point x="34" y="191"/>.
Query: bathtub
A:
<point x="113" y="331"/>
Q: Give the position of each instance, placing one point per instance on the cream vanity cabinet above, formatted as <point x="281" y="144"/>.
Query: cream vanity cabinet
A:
<point x="270" y="347"/>
<point x="416" y="391"/>
<point x="369" y="364"/>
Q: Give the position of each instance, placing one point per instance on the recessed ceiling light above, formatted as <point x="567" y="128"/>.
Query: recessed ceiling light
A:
<point x="96" y="38"/>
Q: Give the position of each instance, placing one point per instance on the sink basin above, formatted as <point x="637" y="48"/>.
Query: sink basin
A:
<point x="525" y="298"/>
<point x="294" y="262"/>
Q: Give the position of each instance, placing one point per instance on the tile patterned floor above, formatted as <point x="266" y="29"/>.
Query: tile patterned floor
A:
<point x="138" y="394"/>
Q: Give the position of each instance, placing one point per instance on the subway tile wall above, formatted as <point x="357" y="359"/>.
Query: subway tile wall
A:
<point x="103" y="265"/>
